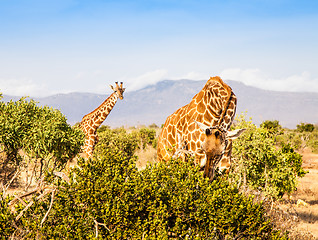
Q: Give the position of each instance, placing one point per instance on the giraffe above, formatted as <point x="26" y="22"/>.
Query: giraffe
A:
<point x="93" y="120"/>
<point x="201" y="128"/>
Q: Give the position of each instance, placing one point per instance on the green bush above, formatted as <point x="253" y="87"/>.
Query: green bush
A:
<point x="153" y="125"/>
<point x="41" y="132"/>
<point x="313" y="142"/>
<point x="147" y="137"/>
<point x="6" y="218"/>
<point x="290" y="137"/>
<point x="305" y="127"/>
<point x="271" y="126"/>
<point x="119" y="138"/>
<point x="258" y="164"/>
<point x="299" y="140"/>
<point x="116" y="140"/>
<point x="108" y="198"/>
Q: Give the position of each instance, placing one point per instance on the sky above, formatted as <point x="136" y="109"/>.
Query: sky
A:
<point x="62" y="46"/>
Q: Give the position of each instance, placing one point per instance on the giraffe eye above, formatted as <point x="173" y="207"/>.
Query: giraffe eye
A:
<point x="208" y="131"/>
<point x="217" y="133"/>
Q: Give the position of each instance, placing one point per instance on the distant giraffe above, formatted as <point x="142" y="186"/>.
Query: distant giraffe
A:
<point x="93" y="120"/>
<point x="200" y="128"/>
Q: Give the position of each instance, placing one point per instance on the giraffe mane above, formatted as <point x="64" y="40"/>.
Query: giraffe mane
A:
<point x="96" y="109"/>
<point x="217" y="80"/>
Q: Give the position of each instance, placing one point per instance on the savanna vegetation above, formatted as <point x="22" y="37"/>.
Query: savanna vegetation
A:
<point x="109" y="197"/>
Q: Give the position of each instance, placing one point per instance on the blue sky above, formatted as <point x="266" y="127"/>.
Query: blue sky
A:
<point x="59" y="46"/>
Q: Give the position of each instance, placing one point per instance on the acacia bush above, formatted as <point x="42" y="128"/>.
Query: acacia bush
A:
<point x="127" y="142"/>
<point x="41" y="132"/>
<point x="115" y="140"/>
<point x="305" y="127"/>
<point x="305" y="136"/>
<point x="7" y="227"/>
<point x="108" y="198"/>
<point x="272" y="126"/>
<point x="313" y="141"/>
<point x="258" y="164"/>
<point x="146" y="136"/>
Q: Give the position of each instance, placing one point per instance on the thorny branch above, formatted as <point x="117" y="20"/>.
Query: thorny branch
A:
<point x="38" y="189"/>
<point x="96" y="227"/>
<point x="5" y="187"/>
<point x="47" y="213"/>
<point x="46" y="191"/>
<point x="63" y="176"/>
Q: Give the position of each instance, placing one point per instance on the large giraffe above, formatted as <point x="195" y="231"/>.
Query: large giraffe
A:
<point x="201" y="128"/>
<point x="93" y="120"/>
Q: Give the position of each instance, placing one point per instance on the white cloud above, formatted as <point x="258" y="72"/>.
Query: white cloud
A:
<point x="23" y="87"/>
<point x="303" y="82"/>
<point x="155" y="76"/>
<point x="144" y="79"/>
<point x="193" y="76"/>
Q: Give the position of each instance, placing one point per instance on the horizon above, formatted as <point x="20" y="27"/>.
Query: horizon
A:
<point x="109" y="91"/>
<point x="59" y="46"/>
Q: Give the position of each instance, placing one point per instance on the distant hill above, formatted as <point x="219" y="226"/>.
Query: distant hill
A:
<point x="154" y="103"/>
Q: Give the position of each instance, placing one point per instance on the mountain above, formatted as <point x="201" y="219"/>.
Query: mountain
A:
<point x="154" y="103"/>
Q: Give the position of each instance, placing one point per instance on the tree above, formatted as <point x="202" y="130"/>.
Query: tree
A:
<point x="305" y="127"/>
<point x="259" y="165"/>
<point x="42" y="133"/>
<point x="271" y="126"/>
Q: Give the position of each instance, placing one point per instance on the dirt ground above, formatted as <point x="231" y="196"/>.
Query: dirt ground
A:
<point x="305" y="200"/>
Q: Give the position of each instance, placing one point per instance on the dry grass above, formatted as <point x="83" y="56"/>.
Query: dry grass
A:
<point x="146" y="156"/>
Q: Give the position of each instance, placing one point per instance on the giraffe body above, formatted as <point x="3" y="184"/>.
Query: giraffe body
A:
<point x="93" y="120"/>
<point x="200" y="128"/>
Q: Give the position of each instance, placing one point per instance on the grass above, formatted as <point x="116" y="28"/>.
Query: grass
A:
<point x="146" y="156"/>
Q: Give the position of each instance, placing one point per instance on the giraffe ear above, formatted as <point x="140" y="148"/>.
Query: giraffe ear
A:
<point x="234" y="134"/>
<point x="112" y="87"/>
<point x="202" y="126"/>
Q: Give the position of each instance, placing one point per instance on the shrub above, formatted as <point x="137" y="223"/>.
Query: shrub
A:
<point x="147" y="137"/>
<point x="305" y="127"/>
<point x="313" y="142"/>
<point x="41" y="132"/>
<point x="258" y="164"/>
<point x="153" y="125"/>
<point x="119" y="138"/>
<point x="6" y="218"/>
<point x="109" y="199"/>
<point x="290" y="137"/>
<point x="299" y="140"/>
<point x="271" y="126"/>
<point x="116" y="140"/>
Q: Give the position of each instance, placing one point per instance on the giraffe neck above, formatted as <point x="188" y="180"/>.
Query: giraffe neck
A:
<point x="93" y="120"/>
<point x="100" y="113"/>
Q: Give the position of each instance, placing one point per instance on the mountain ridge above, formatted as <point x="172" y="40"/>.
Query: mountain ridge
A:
<point x="154" y="103"/>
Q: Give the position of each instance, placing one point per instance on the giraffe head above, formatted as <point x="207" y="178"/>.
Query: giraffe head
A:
<point x="119" y="90"/>
<point x="215" y="141"/>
